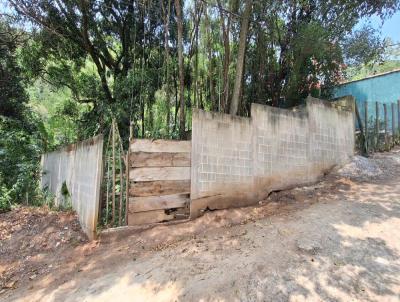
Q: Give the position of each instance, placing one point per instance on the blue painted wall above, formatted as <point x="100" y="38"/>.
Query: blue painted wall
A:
<point x="383" y="88"/>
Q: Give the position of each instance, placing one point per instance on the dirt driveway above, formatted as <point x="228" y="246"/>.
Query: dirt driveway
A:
<point x="338" y="240"/>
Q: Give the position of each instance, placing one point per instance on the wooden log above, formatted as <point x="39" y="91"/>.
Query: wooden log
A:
<point x="398" y="116"/>
<point x="364" y="150"/>
<point x="162" y="187"/>
<point x="386" y="124"/>
<point x="127" y="187"/>
<point x="377" y="125"/>
<point x="113" y="173"/>
<point x="160" y="145"/>
<point x="121" y="184"/>
<point x="159" y="159"/>
<point x="108" y="177"/>
<point x="393" y="121"/>
<point x="151" y="203"/>
<point x="366" y="125"/>
<point x="157" y="173"/>
<point x="366" y="117"/>
<point x="149" y="217"/>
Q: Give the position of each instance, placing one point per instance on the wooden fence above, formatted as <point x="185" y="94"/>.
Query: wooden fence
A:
<point x="379" y="126"/>
<point x="159" y="180"/>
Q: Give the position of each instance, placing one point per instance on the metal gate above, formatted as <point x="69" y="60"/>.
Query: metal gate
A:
<point x="159" y="180"/>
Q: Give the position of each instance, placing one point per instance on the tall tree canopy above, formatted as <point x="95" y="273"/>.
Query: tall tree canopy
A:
<point x="68" y="67"/>
<point x="150" y="61"/>
<point x="22" y="136"/>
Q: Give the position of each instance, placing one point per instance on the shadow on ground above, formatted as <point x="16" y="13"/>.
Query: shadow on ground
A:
<point x="335" y="241"/>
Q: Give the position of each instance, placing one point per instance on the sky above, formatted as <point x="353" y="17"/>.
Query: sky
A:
<point x="390" y="28"/>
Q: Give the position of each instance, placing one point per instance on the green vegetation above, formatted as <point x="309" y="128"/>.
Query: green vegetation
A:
<point x="389" y="61"/>
<point x="68" y="68"/>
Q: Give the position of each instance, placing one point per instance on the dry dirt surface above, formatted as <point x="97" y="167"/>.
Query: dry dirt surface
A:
<point x="31" y="240"/>
<point x="338" y="240"/>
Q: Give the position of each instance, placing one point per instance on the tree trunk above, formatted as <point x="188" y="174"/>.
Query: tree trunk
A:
<point x="227" y="51"/>
<point x="179" y="22"/>
<point x="240" y="60"/>
<point x="196" y="62"/>
<point x="176" y="101"/>
<point x="214" y="105"/>
<point x="166" y="13"/>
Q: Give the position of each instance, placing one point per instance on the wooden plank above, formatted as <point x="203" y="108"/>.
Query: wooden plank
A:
<point x="366" y="126"/>
<point x="393" y="120"/>
<point x="398" y="115"/>
<point x="127" y="187"/>
<point x="162" y="187"/>
<point x="150" y="203"/>
<point x="377" y="125"/>
<point x="364" y="150"/>
<point x="386" y="124"/>
<point x="157" y="173"/>
<point x="160" y="159"/>
<point x="149" y="217"/>
<point x="160" y="145"/>
<point x="113" y="173"/>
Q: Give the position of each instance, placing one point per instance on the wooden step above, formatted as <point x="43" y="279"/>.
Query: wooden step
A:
<point x="156" y="173"/>
<point x="160" y="145"/>
<point x="149" y="217"/>
<point x="151" y="203"/>
<point x="159" y="187"/>
<point x="159" y="159"/>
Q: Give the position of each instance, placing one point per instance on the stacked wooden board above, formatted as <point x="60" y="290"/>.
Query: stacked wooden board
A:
<point x="159" y="180"/>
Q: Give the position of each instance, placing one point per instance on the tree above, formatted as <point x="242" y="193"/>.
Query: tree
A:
<point x="166" y="16"/>
<point x="388" y="61"/>
<point x="22" y="136"/>
<point x="211" y="62"/>
<point x="125" y="59"/>
<point x="363" y="46"/>
<point x="179" y="22"/>
<point x="225" y="28"/>
<point x="240" y="60"/>
<point x="116" y="37"/>
<point x="302" y="45"/>
<point x="13" y="96"/>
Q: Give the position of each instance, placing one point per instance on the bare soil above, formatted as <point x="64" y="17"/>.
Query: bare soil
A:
<point x="338" y="240"/>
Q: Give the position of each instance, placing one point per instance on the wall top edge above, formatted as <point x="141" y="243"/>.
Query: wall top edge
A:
<point x="345" y="103"/>
<point x="221" y="115"/>
<point x="72" y="147"/>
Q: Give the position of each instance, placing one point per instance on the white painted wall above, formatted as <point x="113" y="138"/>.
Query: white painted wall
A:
<point x="80" y="167"/>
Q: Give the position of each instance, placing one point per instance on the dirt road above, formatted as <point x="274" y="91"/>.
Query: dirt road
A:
<point x="338" y="240"/>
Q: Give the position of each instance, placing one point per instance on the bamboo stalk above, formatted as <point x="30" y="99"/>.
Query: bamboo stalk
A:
<point x="386" y="124"/>
<point x="366" y="125"/>
<point x="127" y="188"/>
<point x="128" y="165"/>
<point x="121" y="184"/>
<point x="108" y="177"/>
<point x="359" y="120"/>
<point x="121" y="157"/>
<point x="377" y="125"/>
<point x="393" y="122"/>
<point x="121" y="195"/>
<point x="113" y="173"/>
<point x="398" y="116"/>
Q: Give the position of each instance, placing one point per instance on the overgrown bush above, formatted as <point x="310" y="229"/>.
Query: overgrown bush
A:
<point x="5" y="198"/>
<point x="19" y="161"/>
<point x="22" y="135"/>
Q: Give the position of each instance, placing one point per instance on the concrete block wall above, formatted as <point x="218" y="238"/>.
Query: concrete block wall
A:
<point x="281" y="146"/>
<point x="80" y="167"/>
<point x="238" y="161"/>
<point x="225" y="158"/>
